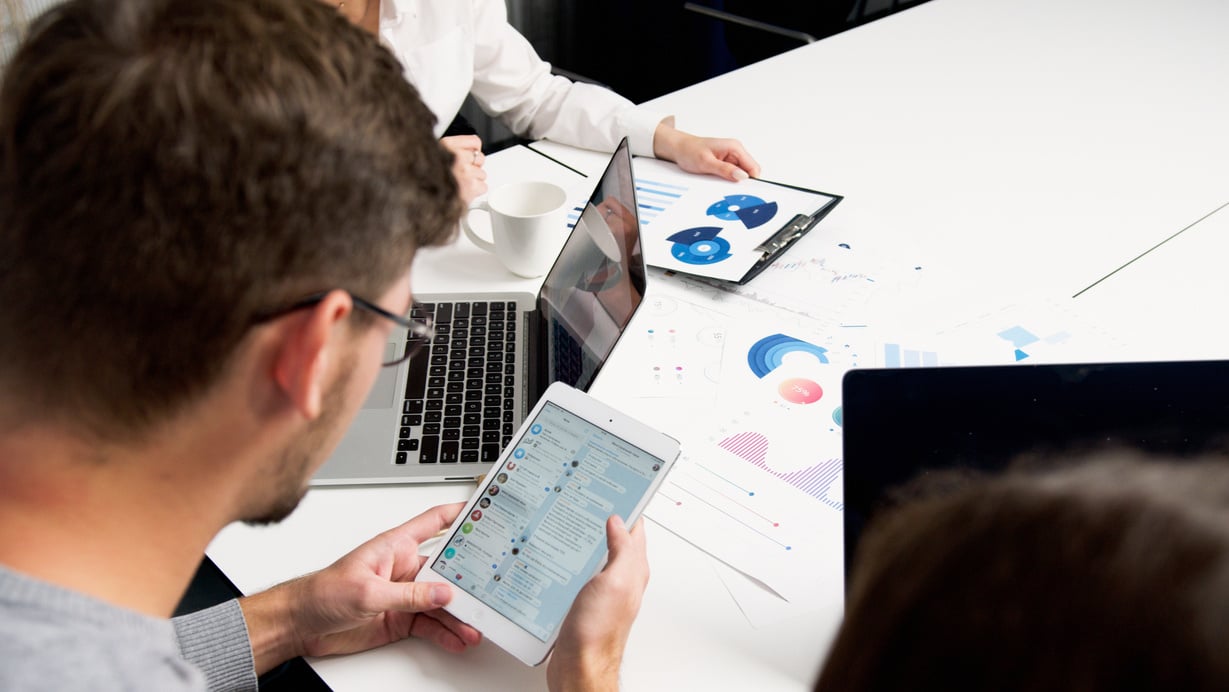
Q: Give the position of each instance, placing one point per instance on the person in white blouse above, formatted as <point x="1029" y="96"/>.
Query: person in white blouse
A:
<point x="451" y="48"/>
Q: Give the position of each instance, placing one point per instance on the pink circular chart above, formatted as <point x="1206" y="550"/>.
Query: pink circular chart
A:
<point x="798" y="390"/>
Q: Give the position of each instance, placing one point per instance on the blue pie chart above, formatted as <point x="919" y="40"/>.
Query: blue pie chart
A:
<point x="749" y="209"/>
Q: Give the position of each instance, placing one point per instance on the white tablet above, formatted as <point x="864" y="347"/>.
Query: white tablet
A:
<point x="535" y="531"/>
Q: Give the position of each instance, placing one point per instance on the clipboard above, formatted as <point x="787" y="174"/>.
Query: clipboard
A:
<point x="719" y="230"/>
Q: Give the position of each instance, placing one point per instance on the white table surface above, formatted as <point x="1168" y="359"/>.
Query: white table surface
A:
<point x="1025" y="148"/>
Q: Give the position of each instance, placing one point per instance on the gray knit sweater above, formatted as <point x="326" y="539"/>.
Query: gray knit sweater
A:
<point x="52" y="638"/>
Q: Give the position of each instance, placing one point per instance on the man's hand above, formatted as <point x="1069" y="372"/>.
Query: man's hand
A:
<point x="364" y="600"/>
<point x="591" y="640"/>
<point x="724" y="158"/>
<point x="467" y="165"/>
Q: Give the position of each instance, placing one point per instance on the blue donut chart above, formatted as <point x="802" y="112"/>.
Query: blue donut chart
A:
<point x="768" y="353"/>
<point x="701" y="245"/>
<point x="749" y="209"/>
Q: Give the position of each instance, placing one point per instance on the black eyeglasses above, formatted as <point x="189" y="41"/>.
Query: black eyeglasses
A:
<point x="419" y="324"/>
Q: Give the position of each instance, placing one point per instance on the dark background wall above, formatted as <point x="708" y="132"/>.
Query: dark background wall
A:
<point x="645" y="48"/>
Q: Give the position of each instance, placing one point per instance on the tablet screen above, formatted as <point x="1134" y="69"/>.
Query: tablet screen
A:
<point x="539" y="530"/>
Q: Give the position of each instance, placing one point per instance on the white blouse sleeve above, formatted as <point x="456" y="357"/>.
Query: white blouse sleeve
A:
<point x="511" y="82"/>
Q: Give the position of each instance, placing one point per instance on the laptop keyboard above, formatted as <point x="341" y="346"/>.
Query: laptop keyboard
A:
<point x="461" y="391"/>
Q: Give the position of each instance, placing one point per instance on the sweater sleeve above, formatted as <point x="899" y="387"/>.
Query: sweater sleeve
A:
<point x="216" y="641"/>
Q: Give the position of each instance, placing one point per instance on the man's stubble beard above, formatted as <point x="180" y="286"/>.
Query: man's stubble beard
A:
<point x="299" y="461"/>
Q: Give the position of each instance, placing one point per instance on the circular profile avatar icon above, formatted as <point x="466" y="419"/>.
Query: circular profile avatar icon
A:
<point x="467" y="528"/>
<point x="511" y="466"/>
<point x="502" y="478"/>
<point x="519" y="453"/>
<point x="484" y="502"/>
<point x="535" y="429"/>
<point x="476" y="515"/>
<point x="493" y="490"/>
<point x="656" y="467"/>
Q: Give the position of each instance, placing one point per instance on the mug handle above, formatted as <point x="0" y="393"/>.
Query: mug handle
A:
<point x="471" y="233"/>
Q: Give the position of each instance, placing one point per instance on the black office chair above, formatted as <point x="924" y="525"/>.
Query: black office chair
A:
<point x="759" y="29"/>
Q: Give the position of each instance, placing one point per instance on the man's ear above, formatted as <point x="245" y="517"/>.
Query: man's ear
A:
<point x="311" y="339"/>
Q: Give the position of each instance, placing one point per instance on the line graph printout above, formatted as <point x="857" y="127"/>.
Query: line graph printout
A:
<point x="749" y="520"/>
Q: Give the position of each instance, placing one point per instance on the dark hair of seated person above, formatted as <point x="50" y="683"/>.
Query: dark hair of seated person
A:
<point x="1112" y="574"/>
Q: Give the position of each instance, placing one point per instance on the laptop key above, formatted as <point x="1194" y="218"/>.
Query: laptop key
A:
<point x="473" y="406"/>
<point x="434" y="416"/>
<point x="429" y="452"/>
<point x="452" y="422"/>
<point x="416" y="381"/>
<point x="412" y="419"/>
<point x="443" y="312"/>
<point x="477" y="309"/>
<point x="471" y="431"/>
<point x="507" y="429"/>
<point x="430" y="429"/>
<point x="469" y="456"/>
<point x="507" y="416"/>
<point x="490" y="436"/>
<point x="460" y="310"/>
<point x="452" y="434"/>
<point x="403" y="433"/>
<point x="453" y="398"/>
<point x="472" y="419"/>
<point x="434" y="383"/>
<point x="511" y="306"/>
<point x="469" y="443"/>
<point x="455" y="387"/>
<point x="435" y="405"/>
<point x="404" y="445"/>
<point x="490" y="424"/>
<point x="449" y="453"/>
<point x="435" y="393"/>
<point x="506" y="440"/>
<point x="490" y="452"/>
<point x="452" y="409"/>
<point x="413" y="406"/>
<point x="401" y="458"/>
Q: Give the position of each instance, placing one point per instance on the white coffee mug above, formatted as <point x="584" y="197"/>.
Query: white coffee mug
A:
<point x="528" y="225"/>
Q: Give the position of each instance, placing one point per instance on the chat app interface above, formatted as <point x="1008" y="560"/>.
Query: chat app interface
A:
<point x="539" y="530"/>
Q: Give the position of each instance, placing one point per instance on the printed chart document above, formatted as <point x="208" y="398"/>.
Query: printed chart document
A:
<point x="717" y="229"/>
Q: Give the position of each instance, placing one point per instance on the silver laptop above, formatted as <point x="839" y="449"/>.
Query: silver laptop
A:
<point x="447" y="413"/>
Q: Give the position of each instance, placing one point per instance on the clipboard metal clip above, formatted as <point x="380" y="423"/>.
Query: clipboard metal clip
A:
<point x="790" y="232"/>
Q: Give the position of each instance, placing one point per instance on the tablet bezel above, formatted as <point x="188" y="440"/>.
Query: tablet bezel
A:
<point x="494" y="625"/>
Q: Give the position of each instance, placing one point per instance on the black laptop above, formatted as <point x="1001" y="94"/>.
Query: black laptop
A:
<point x="902" y="423"/>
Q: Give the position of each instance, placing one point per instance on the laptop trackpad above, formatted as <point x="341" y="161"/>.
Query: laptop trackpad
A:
<point x="385" y="388"/>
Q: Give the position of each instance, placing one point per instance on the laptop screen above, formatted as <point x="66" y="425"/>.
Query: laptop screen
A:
<point x="902" y="424"/>
<point x="597" y="282"/>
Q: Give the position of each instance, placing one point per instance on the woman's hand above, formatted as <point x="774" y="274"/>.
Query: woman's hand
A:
<point x="467" y="165"/>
